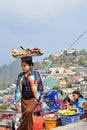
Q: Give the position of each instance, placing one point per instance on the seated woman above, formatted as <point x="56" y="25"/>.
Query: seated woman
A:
<point x="78" y="100"/>
<point x="67" y="103"/>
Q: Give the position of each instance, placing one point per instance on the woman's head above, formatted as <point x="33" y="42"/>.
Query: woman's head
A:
<point x="76" y="95"/>
<point x="26" y="63"/>
<point x="67" y="101"/>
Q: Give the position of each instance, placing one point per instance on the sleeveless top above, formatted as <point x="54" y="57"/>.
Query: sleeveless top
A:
<point x="26" y="89"/>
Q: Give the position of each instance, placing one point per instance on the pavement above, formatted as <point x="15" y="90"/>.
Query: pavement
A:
<point x="80" y="125"/>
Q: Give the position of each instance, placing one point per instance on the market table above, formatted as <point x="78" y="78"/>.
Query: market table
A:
<point x="80" y="125"/>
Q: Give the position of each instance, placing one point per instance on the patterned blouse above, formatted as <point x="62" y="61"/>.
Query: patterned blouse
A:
<point x="36" y="82"/>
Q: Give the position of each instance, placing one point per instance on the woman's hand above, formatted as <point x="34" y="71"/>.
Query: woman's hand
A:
<point x="41" y="101"/>
<point x="17" y="106"/>
<point x="72" y="100"/>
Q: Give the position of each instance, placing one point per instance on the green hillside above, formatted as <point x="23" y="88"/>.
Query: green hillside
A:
<point x="8" y="73"/>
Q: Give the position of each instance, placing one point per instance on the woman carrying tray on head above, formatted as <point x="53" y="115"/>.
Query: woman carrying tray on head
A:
<point x="30" y="93"/>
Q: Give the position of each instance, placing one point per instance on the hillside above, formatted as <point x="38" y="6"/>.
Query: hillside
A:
<point x="8" y="73"/>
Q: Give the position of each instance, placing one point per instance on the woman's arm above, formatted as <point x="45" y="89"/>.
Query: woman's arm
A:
<point x="18" y="90"/>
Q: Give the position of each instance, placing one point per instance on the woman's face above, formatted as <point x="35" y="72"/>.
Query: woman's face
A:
<point x="75" y="96"/>
<point x="67" y="103"/>
<point x="26" y="67"/>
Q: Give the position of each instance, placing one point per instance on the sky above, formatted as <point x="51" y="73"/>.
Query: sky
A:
<point x="51" y="25"/>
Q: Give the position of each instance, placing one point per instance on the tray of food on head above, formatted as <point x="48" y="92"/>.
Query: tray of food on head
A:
<point x="26" y="52"/>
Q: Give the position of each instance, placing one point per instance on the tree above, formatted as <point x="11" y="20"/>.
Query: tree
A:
<point x="83" y="52"/>
<point x="75" y="53"/>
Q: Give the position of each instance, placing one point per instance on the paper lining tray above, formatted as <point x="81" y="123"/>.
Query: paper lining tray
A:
<point x="21" y="56"/>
